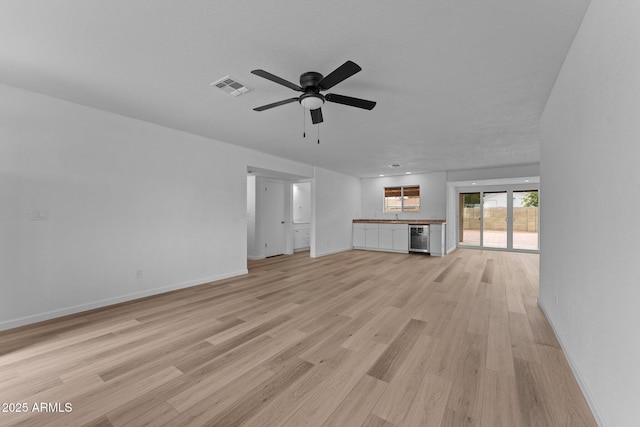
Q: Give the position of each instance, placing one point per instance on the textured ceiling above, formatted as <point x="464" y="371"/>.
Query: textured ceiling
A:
<point x="459" y="84"/>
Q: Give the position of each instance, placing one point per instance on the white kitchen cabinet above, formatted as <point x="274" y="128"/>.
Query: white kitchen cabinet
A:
<point x="301" y="237"/>
<point x="365" y="236"/>
<point x="401" y="237"/>
<point x="393" y="237"/>
<point x="385" y="237"/>
<point x="382" y="237"/>
<point x="437" y="239"/>
<point x="359" y="235"/>
<point x="371" y="232"/>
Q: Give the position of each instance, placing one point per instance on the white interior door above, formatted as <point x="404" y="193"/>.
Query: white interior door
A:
<point x="274" y="202"/>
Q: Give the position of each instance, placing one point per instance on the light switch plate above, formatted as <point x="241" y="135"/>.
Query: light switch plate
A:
<point x="38" y="215"/>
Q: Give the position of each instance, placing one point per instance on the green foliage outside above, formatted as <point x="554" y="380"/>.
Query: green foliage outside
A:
<point x="530" y="200"/>
<point x="471" y="200"/>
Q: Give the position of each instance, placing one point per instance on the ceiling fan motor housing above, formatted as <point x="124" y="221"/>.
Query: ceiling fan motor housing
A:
<point x="309" y="81"/>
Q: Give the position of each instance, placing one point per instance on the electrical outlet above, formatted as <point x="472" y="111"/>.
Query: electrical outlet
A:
<point x="139" y="274"/>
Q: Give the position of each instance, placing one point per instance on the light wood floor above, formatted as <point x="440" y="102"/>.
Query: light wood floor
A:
<point x="352" y="339"/>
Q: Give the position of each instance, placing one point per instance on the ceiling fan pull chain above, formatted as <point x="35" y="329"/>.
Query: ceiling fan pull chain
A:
<point x="304" y="123"/>
<point x="318" y="133"/>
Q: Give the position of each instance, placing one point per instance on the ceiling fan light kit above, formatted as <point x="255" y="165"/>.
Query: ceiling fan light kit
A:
<point x="311" y="101"/>
<point x="311" y="83"/>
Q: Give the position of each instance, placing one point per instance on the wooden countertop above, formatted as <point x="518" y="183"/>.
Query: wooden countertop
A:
<point x="400" y="221"/>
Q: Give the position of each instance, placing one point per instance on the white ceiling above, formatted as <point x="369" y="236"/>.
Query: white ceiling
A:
<point x="459" y="83"/>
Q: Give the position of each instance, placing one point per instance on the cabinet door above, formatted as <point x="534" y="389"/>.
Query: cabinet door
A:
<point x="436" y="239"/>
<point x="371" y="234"/>
<point x="359" y="237"/>
<point x="301" y="238"/>
<point x="297" y="240"/>
<point x="401" y="238"/>
<point x="385" y="238"/>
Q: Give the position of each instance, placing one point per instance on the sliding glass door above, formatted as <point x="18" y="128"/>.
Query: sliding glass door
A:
<point x="495" y="220"/>
<point x="525" y="220"/>
<point x="469" y="219"/>
<point x="499" y="219"/>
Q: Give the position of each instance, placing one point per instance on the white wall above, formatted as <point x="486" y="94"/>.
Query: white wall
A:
<point x="121" y="196"/>
<point x="335" y="203"/>
<point x="432" y="195"/>
<point x="251" y="218"/>
<point x="451" y="237"/>
<point x="589" y="209"/>
<point x="505" y="172"/>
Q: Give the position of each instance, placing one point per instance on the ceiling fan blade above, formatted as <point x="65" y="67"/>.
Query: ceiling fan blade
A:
<point x="275" y="104"/>
<point x="267" y="75"/>
<point x="316" y="116"/>
<point x="347" y="100"/>
<point x="341" y="73"/>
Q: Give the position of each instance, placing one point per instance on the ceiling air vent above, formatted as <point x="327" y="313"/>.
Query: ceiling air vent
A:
<point x="231" y="86"/>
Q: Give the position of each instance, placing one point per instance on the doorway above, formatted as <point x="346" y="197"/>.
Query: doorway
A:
<point x="275" y="230"/>
<point x="271" y="222"/>
<point x="506" y="219"/>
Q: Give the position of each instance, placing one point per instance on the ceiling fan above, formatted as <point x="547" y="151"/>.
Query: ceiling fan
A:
<point x="311" y="83"/>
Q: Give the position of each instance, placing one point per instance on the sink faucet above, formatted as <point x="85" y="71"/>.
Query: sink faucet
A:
<point x="397" y="216"/>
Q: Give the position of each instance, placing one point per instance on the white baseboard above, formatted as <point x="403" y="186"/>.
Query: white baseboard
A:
<point x="393" y="251"/>
<point x="335" y="251"/>
<point x="34" y="318"/>
<point x="451" y="249"/>
<point x="576" y="373"/>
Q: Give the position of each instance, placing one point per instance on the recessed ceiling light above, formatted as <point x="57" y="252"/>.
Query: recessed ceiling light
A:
<point x="473" y="183"/>
<point x="407" y="173"/>
<point x="380" y="175"/>
<point x="526" y="180"/>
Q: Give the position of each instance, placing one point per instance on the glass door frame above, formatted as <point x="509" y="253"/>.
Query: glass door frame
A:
<point x="509" y="189"/>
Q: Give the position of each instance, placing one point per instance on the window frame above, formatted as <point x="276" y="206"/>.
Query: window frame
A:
<point x="402" y="199"/>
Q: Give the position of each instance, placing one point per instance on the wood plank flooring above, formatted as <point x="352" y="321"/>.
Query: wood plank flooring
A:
<point x="352" y="339"/>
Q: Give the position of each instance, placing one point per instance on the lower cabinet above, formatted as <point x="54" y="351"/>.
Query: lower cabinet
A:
<point x="395" y="237"/>
<point x="383" y="237"/>
<point x="401" y="238"/>
<point x="372" y="241"/>
<point x="365" y="236"/>
<point x="301" y="237"/>
<point x="359" y="236"/>
<point x="437" y="239"/>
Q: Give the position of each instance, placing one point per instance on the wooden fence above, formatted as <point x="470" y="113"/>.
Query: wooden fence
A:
<point x="524" y="219"/>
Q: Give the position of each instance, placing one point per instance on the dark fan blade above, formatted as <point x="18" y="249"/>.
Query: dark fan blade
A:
<point x="316" y="116"/>
<point x="347" y="100"/>
<point x="276" y="79"/>
<point x="341" y="73"/>
<point x="275" y="104"/>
